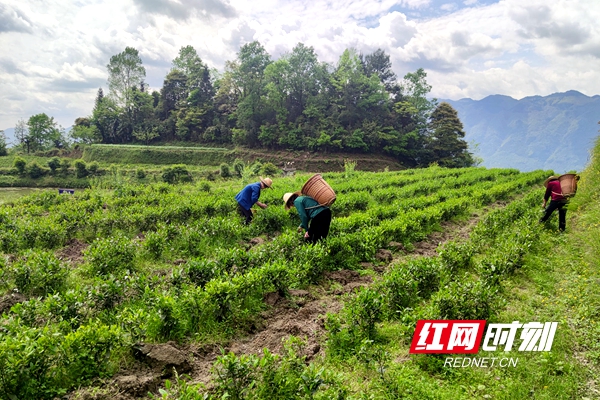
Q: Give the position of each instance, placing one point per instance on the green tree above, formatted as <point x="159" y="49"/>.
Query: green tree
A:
<point x="44" y="133"/>
<point x="358" y="97"/>
<point x="225" y="102"/>
<point x="3" y="144"/>
<point x="415" y="89"/>
<point x="197" y="73"/>
<point x="85" y="132"/>
<point x="248" y="76"/>
<point x="125" y="74"/>
<point x="22" y="135"/>
<point x="125" y="71"/>
<point x="172" y="96"/>
<point x="106" y="117"/>
<point x="445" y="142"/>
<point x="195" y="114"/>
<point x="378" y="63"/>
<point x="144" y="122"/>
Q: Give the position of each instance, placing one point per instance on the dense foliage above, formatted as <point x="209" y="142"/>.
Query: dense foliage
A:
<point x="295" y="103"/>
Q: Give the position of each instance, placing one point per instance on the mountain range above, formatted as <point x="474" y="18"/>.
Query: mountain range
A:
<point x="554" y="132"/>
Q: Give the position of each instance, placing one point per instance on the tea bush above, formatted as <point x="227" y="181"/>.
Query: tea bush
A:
<point x="467" y="300"/>
<point x="112" y="255"/>
<point x="39" y="273"/>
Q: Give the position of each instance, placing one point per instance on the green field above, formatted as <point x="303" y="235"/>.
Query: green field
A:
<point x="89" y="278"/>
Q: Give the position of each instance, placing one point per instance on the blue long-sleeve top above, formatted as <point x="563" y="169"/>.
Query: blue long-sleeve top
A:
<point x="248" y="196"/>
<point x="308" y="208"/>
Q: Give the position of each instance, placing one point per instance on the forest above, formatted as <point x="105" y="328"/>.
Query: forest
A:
<point x="293" y="103"/>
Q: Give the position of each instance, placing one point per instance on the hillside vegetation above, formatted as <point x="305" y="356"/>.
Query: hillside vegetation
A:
<point x="94" y="273"/>
<point x="94" y="281"/>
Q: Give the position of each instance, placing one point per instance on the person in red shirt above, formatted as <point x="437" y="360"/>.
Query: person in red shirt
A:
<point x="558" y="201"/>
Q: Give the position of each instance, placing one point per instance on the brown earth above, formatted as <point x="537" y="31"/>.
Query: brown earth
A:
<point x="73" y="252"/>
<point x="320" y="161"/>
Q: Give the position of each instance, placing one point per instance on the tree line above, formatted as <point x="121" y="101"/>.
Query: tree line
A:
<point x="294" y="103"/>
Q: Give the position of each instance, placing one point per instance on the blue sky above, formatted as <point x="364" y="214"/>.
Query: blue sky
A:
<point x="53" y="53"/>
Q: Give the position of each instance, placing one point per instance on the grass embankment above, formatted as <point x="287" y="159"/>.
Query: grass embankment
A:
<point x="206" y="156"/>
<point x="88" y="166"/>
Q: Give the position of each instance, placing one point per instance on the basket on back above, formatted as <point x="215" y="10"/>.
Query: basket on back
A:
<point x="318" y="189"/>
<point x="568" y="184"/>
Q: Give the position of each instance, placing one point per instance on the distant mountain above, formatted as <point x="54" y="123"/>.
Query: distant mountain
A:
<point x="10" y="136"/>
<point x="554" y="132"/>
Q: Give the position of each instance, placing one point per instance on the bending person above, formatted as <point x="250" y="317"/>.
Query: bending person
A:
<point x="315" y="218"/>
<point x="558" y="201"/>
<point x="249" y="196"/>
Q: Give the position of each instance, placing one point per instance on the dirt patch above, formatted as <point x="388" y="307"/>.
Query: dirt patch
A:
<point x="384" y="255"/>
<point x="256" y="241"/>
<point x="73" y="252"/>
<point x="162" y="358"/>
<point x="9" y="300"/>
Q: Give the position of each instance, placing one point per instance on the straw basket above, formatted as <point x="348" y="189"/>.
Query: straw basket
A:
<point x="318" y="189"/>
<point x="568" y="184"/>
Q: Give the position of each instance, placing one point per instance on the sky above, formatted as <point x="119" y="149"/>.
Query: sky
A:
<point x="53" y="53"/>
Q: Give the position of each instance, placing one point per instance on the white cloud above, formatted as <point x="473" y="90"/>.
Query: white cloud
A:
<point x="53" y="54"/>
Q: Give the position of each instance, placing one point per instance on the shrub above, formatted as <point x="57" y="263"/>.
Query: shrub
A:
<point x="155" y="244"/>
<point x="93" y="167"/>
<point x="176" y="174"/>
<point x="364" y="311"/>
<point x="466" y="300"/>
<point x="167" y="324"/>
<point x="39" y="273"/>
<point x="400" y="290"/>
<point x="140" y="173"/>
<point x="65" y="163"/>
<point x="204" y="186"/>
<point x="80" y="169"/>
<point x="225" y="172"/>
<point x="111" y="255"/>
<point x="54" y="164"/>
<point x="269" y="169"/>
<point x="201" y="271"/>
<point x="34" y="170"/>
<point x="456" y="256"/>
<point x="19" y="163"/>
<point x="238" y="167"/>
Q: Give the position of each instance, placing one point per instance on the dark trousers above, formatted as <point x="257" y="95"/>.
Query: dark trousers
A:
<point x="245" y="214"/>
<point x="562" y="213"/>
<point x="319" y="226"/>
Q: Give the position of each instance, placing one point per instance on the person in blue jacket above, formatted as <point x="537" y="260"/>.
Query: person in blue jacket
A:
<point x="249" y="196"/>
<point x="315" y="219"/>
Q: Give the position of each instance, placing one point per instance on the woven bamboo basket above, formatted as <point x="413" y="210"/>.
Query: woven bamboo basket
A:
<point x="318" y="189"/>
<point x="568" y="184"/>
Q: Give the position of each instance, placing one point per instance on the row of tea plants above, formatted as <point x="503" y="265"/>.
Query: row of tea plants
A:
<point x="165" y="262"/>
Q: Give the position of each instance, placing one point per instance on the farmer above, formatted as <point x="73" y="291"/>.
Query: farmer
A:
<point x="312" y="212"/>
<point x="249" y="195"/>
<point x="558" y="201"/>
